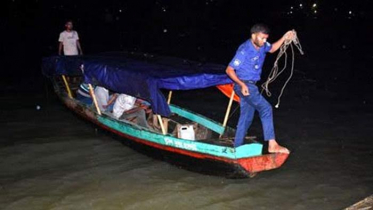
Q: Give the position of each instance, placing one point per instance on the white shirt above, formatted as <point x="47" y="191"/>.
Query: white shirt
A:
<point x="102" y="95"/>
<point x="68" y="40"/>
<point x="123" y="103"/>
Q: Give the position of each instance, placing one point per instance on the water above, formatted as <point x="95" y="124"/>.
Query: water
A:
<point x="51" y="159"/>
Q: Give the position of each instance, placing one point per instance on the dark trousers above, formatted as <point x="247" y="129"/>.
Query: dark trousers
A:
<point x="248" y="105"/>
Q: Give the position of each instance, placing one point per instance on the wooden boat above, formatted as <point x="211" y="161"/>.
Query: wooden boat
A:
<point x="211" y="152"/>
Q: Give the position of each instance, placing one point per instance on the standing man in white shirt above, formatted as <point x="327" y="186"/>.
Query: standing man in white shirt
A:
<point x="69" y="41"/>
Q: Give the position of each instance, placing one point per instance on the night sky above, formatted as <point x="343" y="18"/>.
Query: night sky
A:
<point x="333" y="33"/>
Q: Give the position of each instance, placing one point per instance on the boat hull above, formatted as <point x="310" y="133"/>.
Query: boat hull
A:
<point x="190" y="160"/>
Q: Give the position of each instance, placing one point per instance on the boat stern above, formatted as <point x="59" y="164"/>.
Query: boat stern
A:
<point x="263" y="162"/>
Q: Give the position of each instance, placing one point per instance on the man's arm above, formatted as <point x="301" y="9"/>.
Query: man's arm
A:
<point x="137" y="107"/>
<point x="79" y="47"/>
<point x="232" y="74"/>
<point x="133" y="110"/>
<point x="111" y="100"/>
<point x="60" y="48"/>
<point x="277" y="45"/>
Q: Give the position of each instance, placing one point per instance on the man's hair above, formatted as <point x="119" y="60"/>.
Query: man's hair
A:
<point x="260" y="28"/>
<point x="68" y="21"/>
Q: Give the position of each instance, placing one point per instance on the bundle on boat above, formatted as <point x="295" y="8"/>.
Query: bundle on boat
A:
<point x="172" y="133"/>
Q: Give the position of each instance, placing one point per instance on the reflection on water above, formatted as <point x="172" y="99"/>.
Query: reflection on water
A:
<point x="50" y="159"/>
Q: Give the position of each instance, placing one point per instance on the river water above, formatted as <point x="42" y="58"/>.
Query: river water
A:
<point x="52" y="159"/>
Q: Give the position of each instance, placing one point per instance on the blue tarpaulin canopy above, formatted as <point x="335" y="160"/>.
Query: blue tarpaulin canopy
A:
<point x="141" y="76"/>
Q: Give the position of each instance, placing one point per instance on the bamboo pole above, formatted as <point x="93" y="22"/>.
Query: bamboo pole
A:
<point x="165" y="121"/>
<point x="67" y="86"/>
<point x="228" y="111"/>
<point x="94" y="98"/>
<point x="169" y="97"/>
<point x="161" y="123"/>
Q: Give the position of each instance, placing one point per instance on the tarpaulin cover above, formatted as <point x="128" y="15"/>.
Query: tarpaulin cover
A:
<point x="141" y="76"/>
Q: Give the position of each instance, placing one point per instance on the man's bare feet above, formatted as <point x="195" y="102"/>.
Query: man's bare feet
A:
<point x="274" y="147"/>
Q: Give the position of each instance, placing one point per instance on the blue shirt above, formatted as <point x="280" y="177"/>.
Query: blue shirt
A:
<point x="248" y="61"/>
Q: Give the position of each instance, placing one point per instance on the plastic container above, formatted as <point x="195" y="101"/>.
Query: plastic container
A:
<point x="186" y="132"/>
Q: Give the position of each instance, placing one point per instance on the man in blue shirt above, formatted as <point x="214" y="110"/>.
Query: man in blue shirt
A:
<point x="245" y="70"/>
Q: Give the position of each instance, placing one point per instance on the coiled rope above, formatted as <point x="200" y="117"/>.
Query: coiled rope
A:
<point x="275" y="69"/>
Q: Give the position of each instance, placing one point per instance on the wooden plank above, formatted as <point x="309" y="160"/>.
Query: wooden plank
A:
<point x="210" y="124"/>
<point x="365" y="204"/>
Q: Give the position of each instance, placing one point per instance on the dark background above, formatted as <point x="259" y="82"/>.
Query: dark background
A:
<point x="335" y="35"/>
<point x="325" y="117"/>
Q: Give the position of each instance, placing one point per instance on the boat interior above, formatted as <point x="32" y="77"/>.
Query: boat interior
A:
<point x="182" y="123"/>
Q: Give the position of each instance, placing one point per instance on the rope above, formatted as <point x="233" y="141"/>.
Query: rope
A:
<point x="275" y="69"/>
